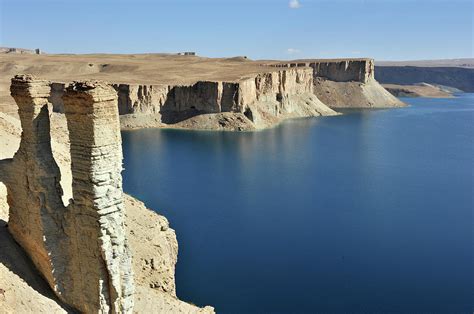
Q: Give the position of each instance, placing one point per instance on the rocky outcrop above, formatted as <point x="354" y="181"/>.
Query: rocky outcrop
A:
<point x="97" y="210"/>
<point x="257" y="101"/>
<point x="32" y="180"/>
<point x="263" y="99"/>
<point x="152" y="240"/>
<point x="347" y="83"/>
<point x="355" y="94"/>
<point x="56" y="96"/>
<point x="339" y="70"/>
<point x="81" y="250"/>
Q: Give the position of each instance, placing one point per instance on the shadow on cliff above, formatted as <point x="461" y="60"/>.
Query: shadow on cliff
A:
<point x="16" y="260"/>
<point x="170" y="111"/>
<point x="175" y="108"/>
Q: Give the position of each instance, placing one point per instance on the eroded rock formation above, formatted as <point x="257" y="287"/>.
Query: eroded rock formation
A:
<point x="152" y="240"/>
<point x="81" y="250"/>
<point x="97" y="210"/>
<point x="347" y="83"/>
<point x="257" y="101"/>
<point x="339" y="70"/>
<point x="213" y="96"/>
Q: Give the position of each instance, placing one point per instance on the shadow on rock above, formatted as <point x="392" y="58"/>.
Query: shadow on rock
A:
<point x="16" y="260"/>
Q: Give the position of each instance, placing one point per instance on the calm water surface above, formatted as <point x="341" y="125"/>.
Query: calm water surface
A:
<point x="371" y="211"/>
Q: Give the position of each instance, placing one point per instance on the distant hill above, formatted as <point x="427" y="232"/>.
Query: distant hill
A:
<point x="458" y="73"/>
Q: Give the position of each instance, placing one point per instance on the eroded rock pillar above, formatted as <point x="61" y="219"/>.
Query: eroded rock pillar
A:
<point x="32" y="178"/>
<point x="101" y="259"/>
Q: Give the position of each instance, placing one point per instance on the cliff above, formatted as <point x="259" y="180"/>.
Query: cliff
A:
<point x="253" y="102"/>
<point x="346" y="83"/>
<point x="81" y="249"/>
<point x="211" y="93"/>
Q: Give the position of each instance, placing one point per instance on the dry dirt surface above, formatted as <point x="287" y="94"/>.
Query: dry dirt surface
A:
<point x="139" y="68"/>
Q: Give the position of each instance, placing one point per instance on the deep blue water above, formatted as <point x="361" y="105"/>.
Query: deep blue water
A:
<point x="367" y="212"/>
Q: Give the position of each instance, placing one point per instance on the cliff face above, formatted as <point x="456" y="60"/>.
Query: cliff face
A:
<point x="80" y="249"/>
<point x="347" y="83"/>
<point x="264" y="94"/>
<point x="339" y="70"/>
<point x="272" y="97"/>
<point x="295" y="89"/>
<point x="355" y="94"/>
<point x="257" y="101"/>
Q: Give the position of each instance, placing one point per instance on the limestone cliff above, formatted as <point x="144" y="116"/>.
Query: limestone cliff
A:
<point x="255" y="101"/>
<point x="258" y="101"/>
<point x="81" y="249"/>
<point x="347" y="83"/>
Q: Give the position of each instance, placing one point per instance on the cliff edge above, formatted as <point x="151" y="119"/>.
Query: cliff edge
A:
<point x="253" y="102"/>
<point x="45" y="224"/>
<point x="346" y="83"/>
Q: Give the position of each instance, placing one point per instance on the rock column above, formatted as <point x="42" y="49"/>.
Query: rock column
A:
<point x="32" y="178"/>
<point x="101" y="259"/>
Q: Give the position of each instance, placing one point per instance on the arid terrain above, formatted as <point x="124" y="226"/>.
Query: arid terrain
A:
<point x="165" y="90"/>
<point x="139" y="69"/>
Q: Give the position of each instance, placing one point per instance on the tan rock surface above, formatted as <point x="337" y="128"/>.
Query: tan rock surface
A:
<point x="81" y="250"/>
<point x="175" y="88"/>
<point x="26" y="291"/>
<point x="346" y="83"/>
<point x="355" y="94"/>
<point x="260" y="101"/>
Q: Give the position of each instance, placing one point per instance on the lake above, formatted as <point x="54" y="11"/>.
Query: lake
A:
<point x="371" y="211"/>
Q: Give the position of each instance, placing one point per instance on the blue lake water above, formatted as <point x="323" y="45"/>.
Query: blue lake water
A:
<point x="371" y="211"/>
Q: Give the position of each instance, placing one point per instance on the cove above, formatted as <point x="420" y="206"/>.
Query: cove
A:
<point x="371" y="211"/>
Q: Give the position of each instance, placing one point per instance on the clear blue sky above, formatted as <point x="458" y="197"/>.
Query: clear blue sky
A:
<point x="260" y="29"/>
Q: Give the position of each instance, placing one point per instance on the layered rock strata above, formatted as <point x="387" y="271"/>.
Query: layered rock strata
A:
<point x="263" y="99"/>
<point x="257" y="101"/>
<point x="339" y="70"/>
<point x="347" y="83"/>
<point x="81" y="250"/>
<point x="153" y="242"/>
<point x="97" y="210"/>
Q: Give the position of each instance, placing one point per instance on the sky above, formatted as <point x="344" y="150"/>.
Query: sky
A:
<point x="259" y="29"/>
